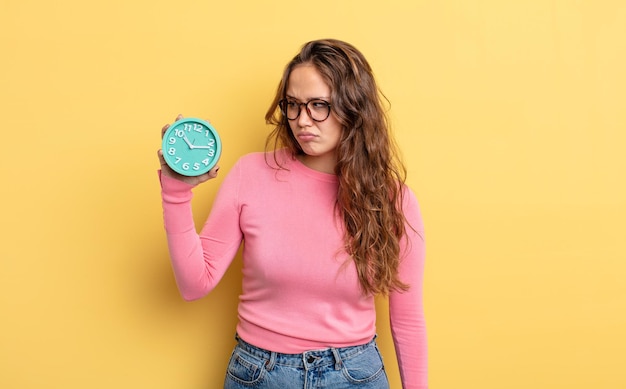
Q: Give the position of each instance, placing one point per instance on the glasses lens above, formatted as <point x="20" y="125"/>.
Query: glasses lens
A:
<point x="319" y="109"/>
<point x="290" y="108"/>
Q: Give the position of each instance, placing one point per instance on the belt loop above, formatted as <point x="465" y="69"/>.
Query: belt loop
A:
<point x="337" y="359"/>
<point x="269" y="365"/>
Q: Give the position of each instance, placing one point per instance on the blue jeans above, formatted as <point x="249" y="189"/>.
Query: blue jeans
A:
<point x="337" y="368"/>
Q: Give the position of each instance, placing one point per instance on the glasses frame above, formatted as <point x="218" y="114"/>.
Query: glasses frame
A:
<point x="282" y="103"/>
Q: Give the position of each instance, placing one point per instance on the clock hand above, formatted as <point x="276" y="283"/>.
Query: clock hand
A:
<point x="202" y="147"/>
<point x="187" y="141"/>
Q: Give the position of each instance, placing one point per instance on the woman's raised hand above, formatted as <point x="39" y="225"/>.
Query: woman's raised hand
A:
<point x="167" y="171"/>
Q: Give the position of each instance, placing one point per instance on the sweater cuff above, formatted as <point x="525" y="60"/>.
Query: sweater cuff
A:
<point x="174" y="191"/>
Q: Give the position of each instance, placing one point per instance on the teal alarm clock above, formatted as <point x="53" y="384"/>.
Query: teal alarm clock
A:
<point x="191" y="146"/>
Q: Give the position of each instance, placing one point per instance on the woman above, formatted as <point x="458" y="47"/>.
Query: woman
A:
<point x="327" y="224"/>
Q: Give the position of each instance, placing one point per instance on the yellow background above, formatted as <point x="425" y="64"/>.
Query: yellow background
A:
<point x="510" y="114"/>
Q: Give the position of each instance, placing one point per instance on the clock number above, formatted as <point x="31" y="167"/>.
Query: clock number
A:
<point x="172" y="140"/>
<point x="211" y="142"/>
<point x="180" y="133"/>
<point x="205" y="162"/>
<point x="177" y="160"/>
<point x="211" y="152"/>
<point x="171" y="151"/>
<point x="186" y="166"/>
<point x="196" y="127"/>
<point x="196" y="166"/>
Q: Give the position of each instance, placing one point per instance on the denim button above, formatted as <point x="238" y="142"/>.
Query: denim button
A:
<point x="310" y="359"/>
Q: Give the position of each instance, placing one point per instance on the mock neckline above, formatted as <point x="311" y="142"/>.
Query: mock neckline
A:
<point x="297" y="165"/>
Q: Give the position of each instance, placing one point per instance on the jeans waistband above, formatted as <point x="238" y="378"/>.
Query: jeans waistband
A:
<point x="307" y="359"/>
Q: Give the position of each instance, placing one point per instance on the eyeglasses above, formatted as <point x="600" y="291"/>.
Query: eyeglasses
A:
<point x="317" y="109"/>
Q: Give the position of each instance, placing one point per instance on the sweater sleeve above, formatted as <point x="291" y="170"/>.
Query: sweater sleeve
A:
<point x="408" y="326"/>
<point x="200" y="260"/>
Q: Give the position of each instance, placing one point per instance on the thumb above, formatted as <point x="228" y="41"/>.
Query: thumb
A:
<point x="161" y="159"/>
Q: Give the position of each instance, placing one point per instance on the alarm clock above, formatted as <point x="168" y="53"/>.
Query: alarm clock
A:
<point x="191" y="147"/>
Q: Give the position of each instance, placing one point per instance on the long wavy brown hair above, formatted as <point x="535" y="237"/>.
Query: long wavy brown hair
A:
<point x="369" y="170"/>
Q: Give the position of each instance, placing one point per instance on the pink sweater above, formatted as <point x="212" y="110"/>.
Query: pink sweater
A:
<point x="298" y="294"/>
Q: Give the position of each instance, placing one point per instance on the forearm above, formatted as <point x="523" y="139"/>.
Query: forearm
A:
<point x="185" y="248"/>
<point x="409" y="335"/>
<point x="408" y="324"/>
<point x="198" y="260"/>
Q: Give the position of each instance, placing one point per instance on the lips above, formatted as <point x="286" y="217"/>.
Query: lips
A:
<point x="306" y="136"/>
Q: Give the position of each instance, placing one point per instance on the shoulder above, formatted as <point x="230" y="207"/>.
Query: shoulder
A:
<point x="252" y="159"/>
<point x="411" y="208"/>
<point x="271" y="160"/>
<point x="256" y="173"/>
<point x="261" y="167"/>
<point x="408" y="195"/>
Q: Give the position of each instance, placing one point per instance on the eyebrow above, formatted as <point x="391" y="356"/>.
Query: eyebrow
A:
<point x="312" y="98"/>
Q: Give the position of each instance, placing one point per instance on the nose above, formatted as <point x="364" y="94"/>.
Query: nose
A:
<point x="304" y="119"/>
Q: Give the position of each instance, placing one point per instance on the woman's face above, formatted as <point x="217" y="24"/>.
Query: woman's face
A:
<point x="317" y="139"/>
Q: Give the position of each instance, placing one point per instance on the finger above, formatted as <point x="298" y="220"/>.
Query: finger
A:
<point x="213" y="172"/>
<point x="161" y="159"/>
<point x="164" y="164"/>
<point x="209" y="175"/>
<point x="180" y="116"/>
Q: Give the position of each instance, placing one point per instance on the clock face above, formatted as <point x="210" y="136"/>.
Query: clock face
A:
<point x="191" y="147"/>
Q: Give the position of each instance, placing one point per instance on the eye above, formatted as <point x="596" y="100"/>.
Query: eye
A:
<point x="319" y="104"/>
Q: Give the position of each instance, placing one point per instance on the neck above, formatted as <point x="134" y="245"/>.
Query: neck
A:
<point x="324" y="164"/>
